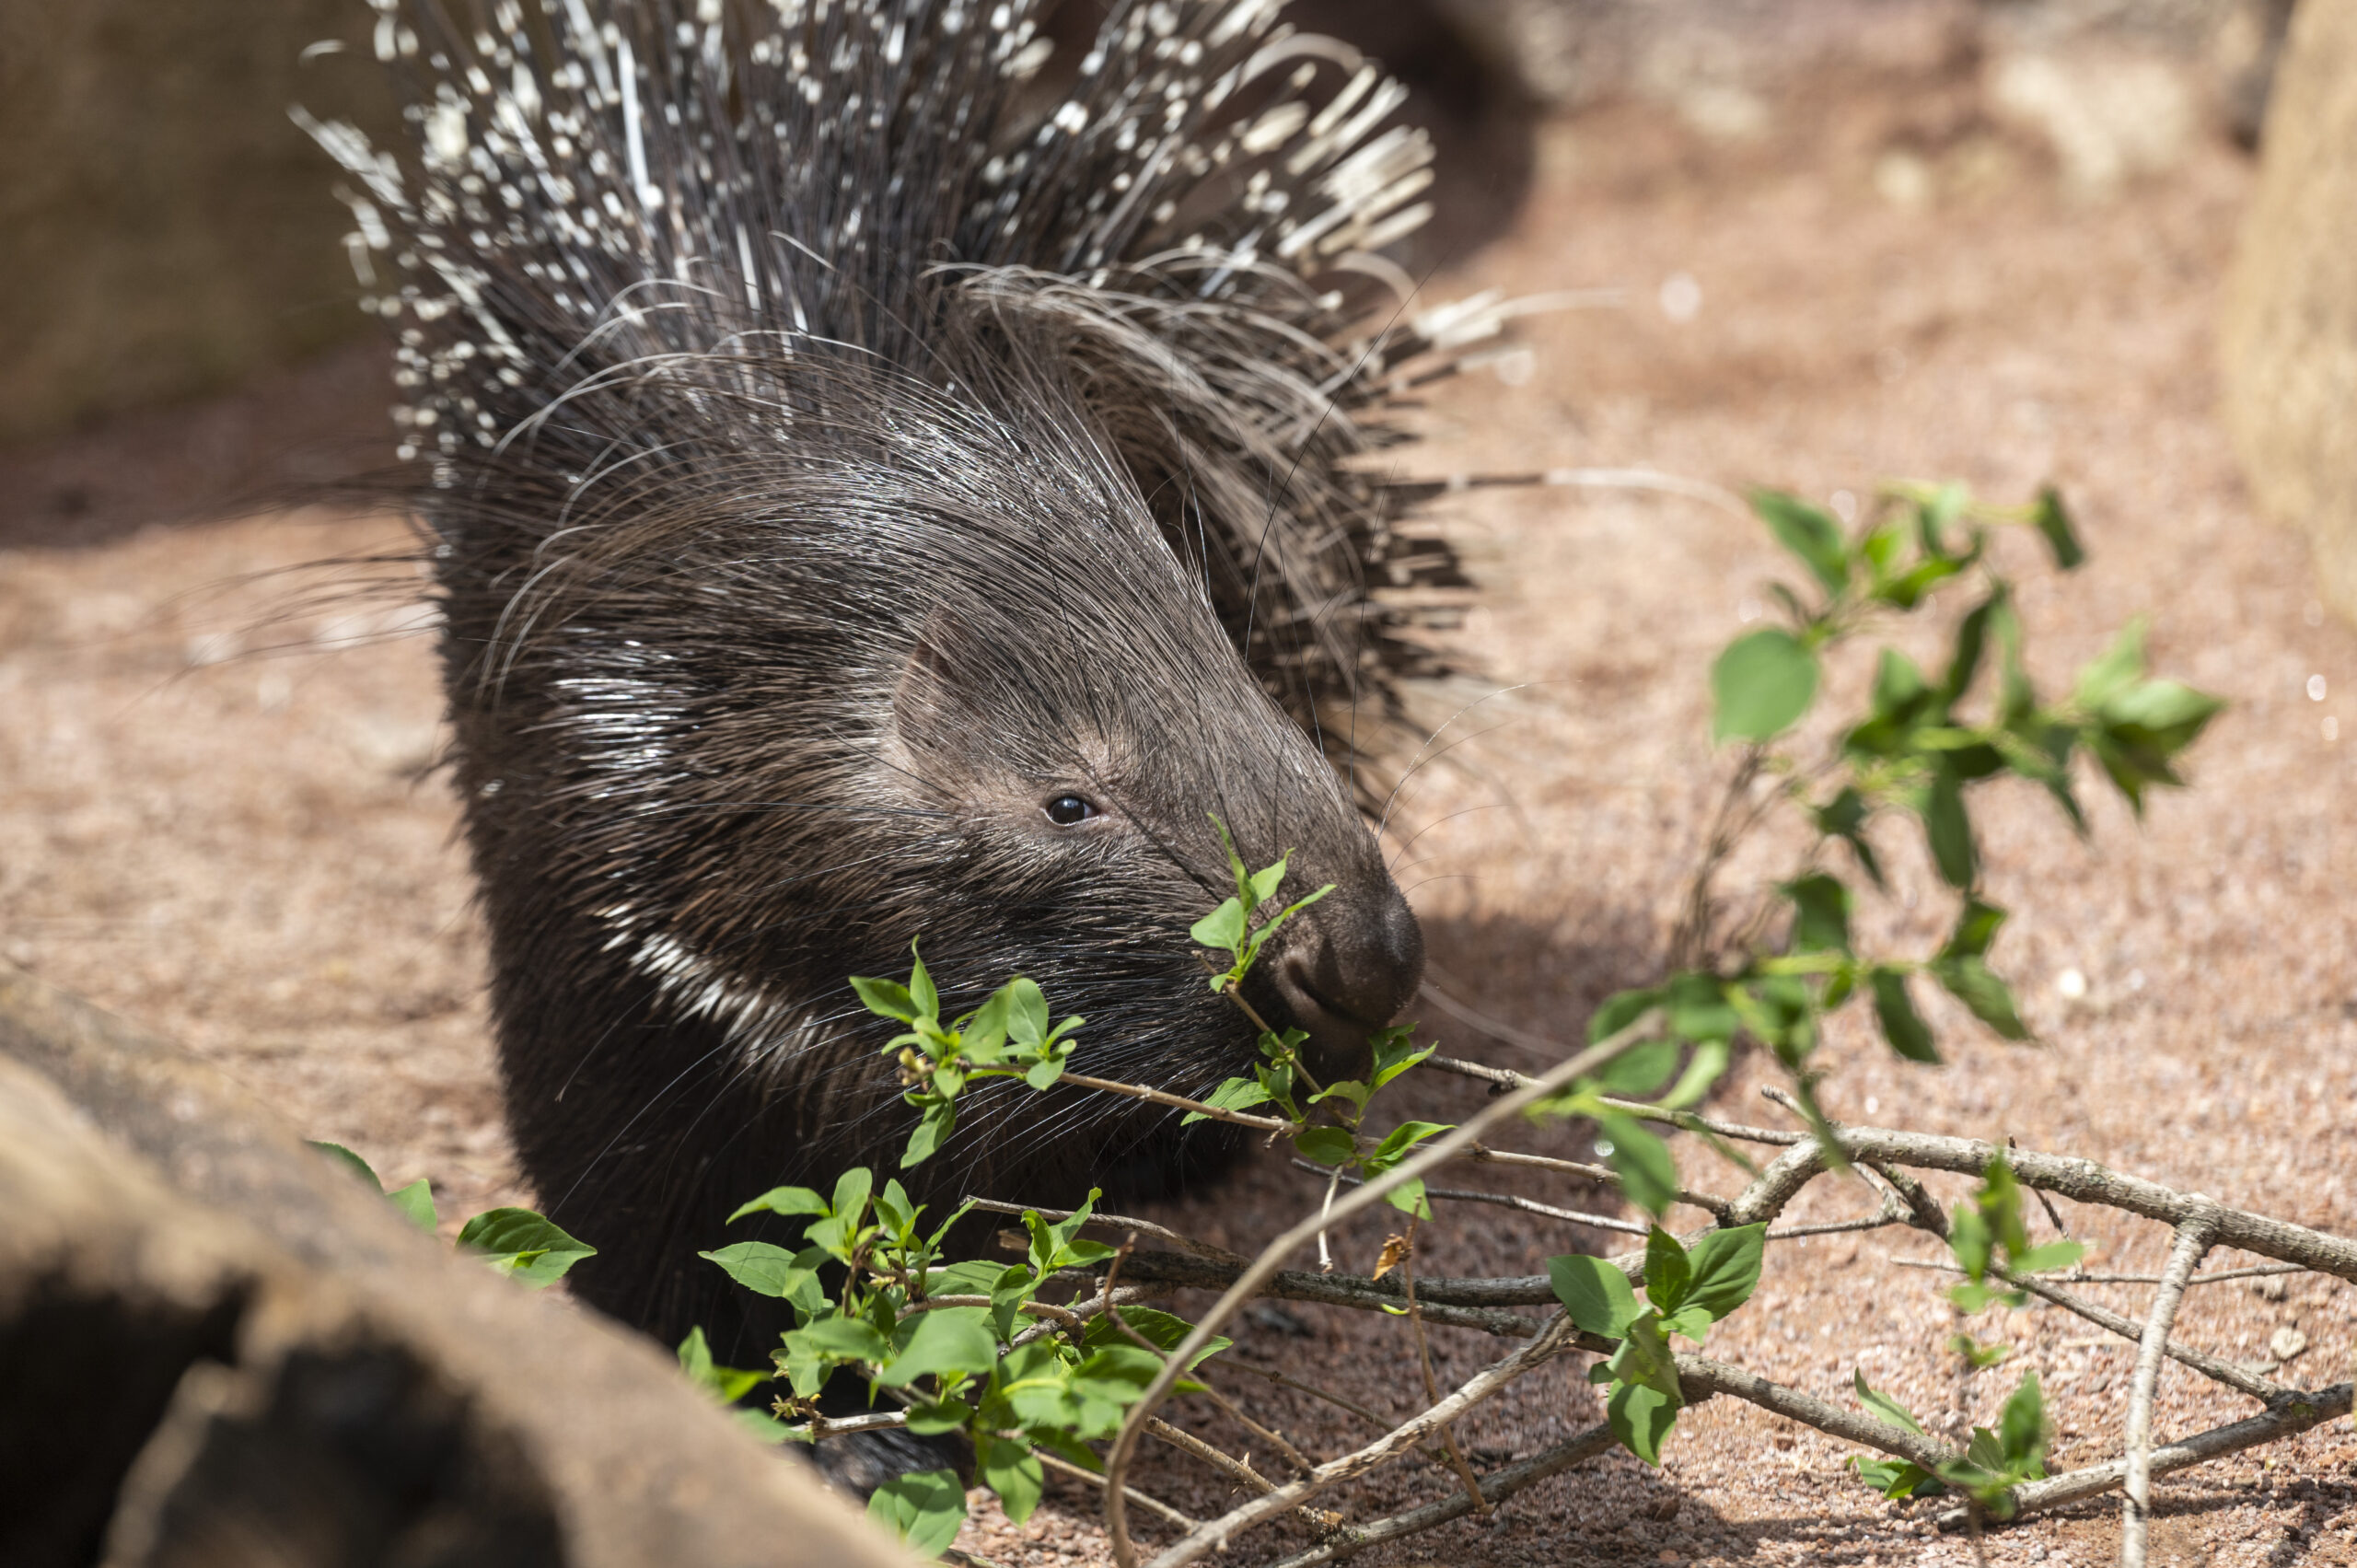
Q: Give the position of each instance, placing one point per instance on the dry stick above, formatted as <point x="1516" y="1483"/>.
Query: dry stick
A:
<point x="1227" y="1465"/>
<point x="1248" y="1284"/>
<point x="1551" y="1341"/>
<point x="2081" y="1180"/>
<point x="1479" y="1155"/>
<point x="2305" y="1410"/>
<point x="1163" y="1096"/>
<point x="1424" y="1360"/>
<point x="2192" y="1241"/>
<point x="1503" y="1200"/>
<point x="1496" y="1487"/>
<point x="2216" y="1368"/>
<point x="1119" y="1222"/>
<point x="1151" y="1504"/>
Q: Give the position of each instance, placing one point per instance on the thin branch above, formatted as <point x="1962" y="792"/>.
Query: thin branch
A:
<point x="1639" y="1032"/>
<point x="1163" y="1234"/>
<point x="1550" y="1342"/>
<point x="2303" y="1411"/>
<point x="1501" y="1199"/>
<point x="2192" y="1241"/>
<point x="1496" y="1487"/>
<point x="1151" y="1504"/>
<point x="1480" y="1153"/>
<point x="1179" y="1102"/>
<point x="1229" y="1466"/>
<point x="2215" y="1368"/>
<point x="1431" y="1387"/>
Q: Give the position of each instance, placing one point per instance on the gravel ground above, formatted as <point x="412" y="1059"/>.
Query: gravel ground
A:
<point x="216" y="814"/>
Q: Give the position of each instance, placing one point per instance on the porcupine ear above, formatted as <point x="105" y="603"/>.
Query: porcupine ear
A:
<point x="933" y="711"/>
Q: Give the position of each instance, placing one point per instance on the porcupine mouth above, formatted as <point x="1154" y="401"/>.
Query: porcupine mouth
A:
<point x="1337" y="1033"/>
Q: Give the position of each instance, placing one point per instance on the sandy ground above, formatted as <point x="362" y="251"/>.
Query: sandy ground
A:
<point x="217" y="815"/>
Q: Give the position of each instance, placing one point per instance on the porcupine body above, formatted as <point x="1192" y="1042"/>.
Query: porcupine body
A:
<point x="869" y="499"/>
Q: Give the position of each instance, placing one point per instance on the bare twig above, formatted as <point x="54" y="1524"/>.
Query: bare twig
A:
<point x="1496" y="1487"/>
<point x="1163" y="1234"/>
<point x="2216" y="1368"/>
<point x="2192" y="1241"/>
<point x="1481" y="1154"/>
<point x="1424" y="1361"/>
<point x="1248" y="1284"/>
<point x="2304" y="1410"/>
<point x="1227" y="1465"/>
<point x="1501" y="1199"/>
<point x="1178" y="1102"/>
<point x="1151" y="1504"/>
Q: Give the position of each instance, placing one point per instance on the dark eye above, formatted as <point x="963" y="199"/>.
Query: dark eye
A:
<point x="1067" y="809"/>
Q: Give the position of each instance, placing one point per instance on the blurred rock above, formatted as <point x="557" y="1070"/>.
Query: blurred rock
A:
<point x="2108" y="114"/>
<point x="2290" y="332"/>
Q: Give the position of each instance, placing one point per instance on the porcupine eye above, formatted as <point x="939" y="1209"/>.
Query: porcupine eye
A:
<point x="1066" y="810"/>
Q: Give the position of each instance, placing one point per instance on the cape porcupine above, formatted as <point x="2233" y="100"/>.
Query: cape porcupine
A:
<point x="869" y="502"/>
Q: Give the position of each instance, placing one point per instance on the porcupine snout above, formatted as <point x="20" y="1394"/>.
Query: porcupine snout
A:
<point x="1352" y="962"/>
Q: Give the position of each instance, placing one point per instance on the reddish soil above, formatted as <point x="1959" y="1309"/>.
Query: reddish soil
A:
<point x="217" y="815"/>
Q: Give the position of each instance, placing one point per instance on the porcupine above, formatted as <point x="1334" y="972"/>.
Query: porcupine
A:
<point x="868" y="502"/>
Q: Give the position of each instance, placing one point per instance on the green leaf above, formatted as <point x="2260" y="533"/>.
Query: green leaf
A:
<point x="1235" y="861"/>
<point x="1409" y="1197"/>
<point x="1704" y="1070"/>
<point x="2114" y="670"/>
<point x="1949" y="830"/>
<point x="1595" y="1295"/>
<point x="1699" y="1009"/>
<point x="1640" y="1070"/>
<point x="1895" y="1010"/>
<point x="852" y="1189"/>
<point x="1689" y="1321"/>
<point x="353" y="1162"/>
<point x="1761" y="685"/>
<point x="1617" y="1012"/>
<point x="1971" y="638"/>
<point x="1027" y="1012"/>
<point x="1844" y="816"/>
<point x="525" y="1245"/>
<point x="1725" y="1269"/>
<point x="1014" y="1472"/>
<point x="1972" y="982"/>
<point x="1808" y="533"/>
<point x="933" y="1130"/>
<point x="886" y="998"/>
<point x="416" y="1201"/>
<point x="728" y="1382"/>
<point x="1223" y="929"/>
<point x="923" y="1508"/>
<point x="1165" y="1330"/>
<point x="1666" y="1272"/>
<point x="1398" y="1141"/>
<point x="1237" y="1093"/>
<point x="1820" y="913"/>
<point x="944" y="1342"/>
<point x="1393" y="1051"/>
<point x="1976" y="930"/>
<point x="1645" y="1356"/>
<point x="1327" y="1146"/>
<point x="1899" y="689"/>
<point x="1641" y="1417"/>
<point x="1264" y="881"/>
<point x="769" y="1271"/>
<point x="921" y="991"/>
<point x="782" y="1200"/>
<point x="1896" y="1478"/>
<point x="2055" y="524"/>
<point x="1642" y="1161"/>
<point x="1979" y="1358"/>
<point x="1882" y="1406"/>
<point x="841" y="1339"/>
<point x="2021" y="1426"/>
<point x="2052" y="1255"/>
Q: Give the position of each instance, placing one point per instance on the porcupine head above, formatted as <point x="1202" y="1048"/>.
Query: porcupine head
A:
<point x="872" y="500"/>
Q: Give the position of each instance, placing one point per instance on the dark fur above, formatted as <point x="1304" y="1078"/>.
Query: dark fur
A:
<point x="910" y="462"/>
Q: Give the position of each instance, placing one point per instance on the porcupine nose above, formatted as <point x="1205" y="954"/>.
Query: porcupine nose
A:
<point x="1353" y="968"/>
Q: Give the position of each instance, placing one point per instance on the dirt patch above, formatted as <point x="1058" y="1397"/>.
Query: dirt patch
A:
<point x="247" y="849"/>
